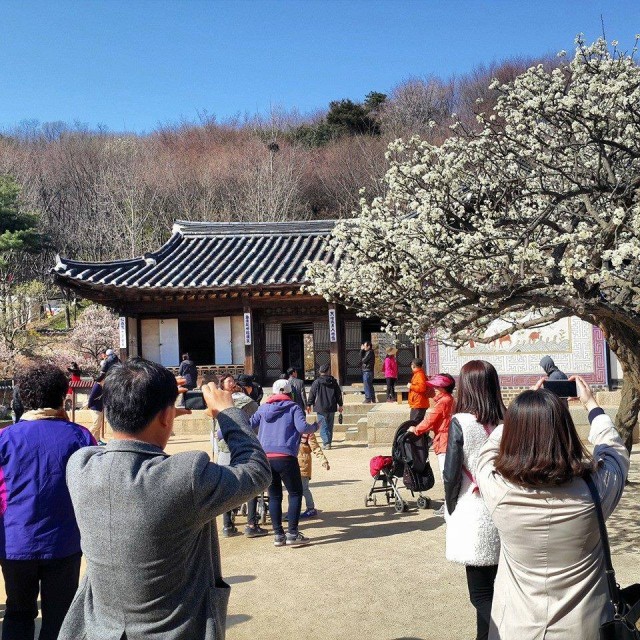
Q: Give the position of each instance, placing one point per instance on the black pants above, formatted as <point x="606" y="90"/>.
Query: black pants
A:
<point x="252" y="520"/>
<point x="417" y="414"/>
<point x="57" y="582"/>
<point x="480" y="583"/>
<point x="285" y="470"/>
<point x="391" y="388"/>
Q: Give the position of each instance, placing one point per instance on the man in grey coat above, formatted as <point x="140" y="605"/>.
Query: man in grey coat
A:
<point x="147" y="519"/>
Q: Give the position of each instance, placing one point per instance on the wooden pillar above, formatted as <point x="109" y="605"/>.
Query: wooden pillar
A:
<point x="335" y="343"/>
<point x="139" y="334"/>
<point x="249" y="342"/>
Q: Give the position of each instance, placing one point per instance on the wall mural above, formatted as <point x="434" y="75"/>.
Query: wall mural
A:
<point x="575" y="346"/>
<point x="555" y="338"/>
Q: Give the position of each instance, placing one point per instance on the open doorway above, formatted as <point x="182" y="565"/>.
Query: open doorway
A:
<point x="297" y="349"/>
<point x="196" y="337"/>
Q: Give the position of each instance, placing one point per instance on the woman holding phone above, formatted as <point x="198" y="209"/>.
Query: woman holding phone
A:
<point x="551" y="578"/>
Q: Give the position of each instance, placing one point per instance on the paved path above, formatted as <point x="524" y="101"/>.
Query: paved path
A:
<point x="369" y="573"/>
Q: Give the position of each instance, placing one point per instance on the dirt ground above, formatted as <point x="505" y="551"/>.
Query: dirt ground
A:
<point x="369" y="573"/>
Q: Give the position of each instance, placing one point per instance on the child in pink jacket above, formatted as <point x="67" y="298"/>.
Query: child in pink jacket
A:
<point x="390" y="369"/>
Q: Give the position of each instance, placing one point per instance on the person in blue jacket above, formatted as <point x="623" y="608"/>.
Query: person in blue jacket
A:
<point x="40" y="541"/>
<point x="280" y="423"/>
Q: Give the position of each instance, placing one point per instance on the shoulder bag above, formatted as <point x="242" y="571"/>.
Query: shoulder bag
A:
<point x="626" y="602"/>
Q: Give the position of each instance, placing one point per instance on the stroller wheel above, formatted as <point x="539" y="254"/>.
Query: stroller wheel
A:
<point x="261" y="510"/>
<point x="375" y="500"/>
<point x="423" y="503"/>
<point x="243" y="509"/>
<point x="400" y="505"/>
<point x="367" y="498"/>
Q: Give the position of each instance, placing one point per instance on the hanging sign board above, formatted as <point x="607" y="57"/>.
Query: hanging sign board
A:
<point x="333" y="332"/>
<point x="122" y="326"/>
<point x="247" y="329"/>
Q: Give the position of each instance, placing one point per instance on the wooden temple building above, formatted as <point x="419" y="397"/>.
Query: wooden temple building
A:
<point x="231" y="295"/>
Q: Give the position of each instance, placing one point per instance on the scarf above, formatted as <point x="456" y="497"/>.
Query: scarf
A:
<point x="45" y="414"/>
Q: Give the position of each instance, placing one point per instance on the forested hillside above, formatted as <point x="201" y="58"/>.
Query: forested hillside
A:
<point x="101" y="195"/>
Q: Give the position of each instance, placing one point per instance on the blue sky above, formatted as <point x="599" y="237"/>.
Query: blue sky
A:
<point x="134" y="64"/>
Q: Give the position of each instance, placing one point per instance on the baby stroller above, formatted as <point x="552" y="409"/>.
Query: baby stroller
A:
<point x="262" y="509"/>
<point x="409" y="460"/>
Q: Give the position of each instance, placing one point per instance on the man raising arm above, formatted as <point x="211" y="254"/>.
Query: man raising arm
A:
<point x="147" y="519"/>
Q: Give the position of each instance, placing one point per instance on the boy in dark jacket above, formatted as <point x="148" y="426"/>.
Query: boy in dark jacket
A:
<point x="368" y="361"/>
<point x="325" y="396"/>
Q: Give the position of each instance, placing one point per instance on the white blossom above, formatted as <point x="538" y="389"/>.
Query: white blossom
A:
<point x="540" y="211"/>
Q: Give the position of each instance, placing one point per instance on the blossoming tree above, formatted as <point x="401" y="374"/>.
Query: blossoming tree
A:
<point x="96" y="331"/>
<point x="532" y="218"/>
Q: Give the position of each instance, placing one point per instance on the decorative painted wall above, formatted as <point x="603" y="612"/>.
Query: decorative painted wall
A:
<point x="575" y="346"/>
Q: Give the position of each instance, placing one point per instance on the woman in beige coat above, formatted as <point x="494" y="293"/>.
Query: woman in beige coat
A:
<point x="551" y="578"/>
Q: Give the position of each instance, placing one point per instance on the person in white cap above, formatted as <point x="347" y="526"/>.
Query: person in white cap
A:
<point x="280" y="423"/>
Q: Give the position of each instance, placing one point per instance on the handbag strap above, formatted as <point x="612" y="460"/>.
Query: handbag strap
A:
<point x="614" y="590"/>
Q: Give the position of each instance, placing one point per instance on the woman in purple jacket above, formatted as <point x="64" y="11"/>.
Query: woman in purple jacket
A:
<point x="281" y="423"/>
<point x="39" y="537"/>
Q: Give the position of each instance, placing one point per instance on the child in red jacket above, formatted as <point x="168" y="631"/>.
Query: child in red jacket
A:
<point x="438" y="416"/>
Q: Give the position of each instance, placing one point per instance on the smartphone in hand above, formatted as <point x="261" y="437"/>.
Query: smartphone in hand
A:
<point x="562" y="388"/>
<point x="194" y="400"/>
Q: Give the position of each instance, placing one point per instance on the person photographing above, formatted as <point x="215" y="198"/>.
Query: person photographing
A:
<point x="147" y="519"/>
<point x="531" y="473"/>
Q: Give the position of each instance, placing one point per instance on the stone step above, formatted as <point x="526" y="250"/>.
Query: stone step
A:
<point x="357" y="433"/>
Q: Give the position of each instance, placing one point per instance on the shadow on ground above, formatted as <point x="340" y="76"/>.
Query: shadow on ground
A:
<point x="237" y="618"/>
<point x="332" y="483"/>
<point x="239" y="579"/>
<point x="362" y="524"/>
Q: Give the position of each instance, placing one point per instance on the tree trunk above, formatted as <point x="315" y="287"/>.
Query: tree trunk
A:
<point x="624" y="343"/>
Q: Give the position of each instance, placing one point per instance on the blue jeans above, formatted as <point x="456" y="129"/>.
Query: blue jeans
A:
<point x="285" y="470"/>
<point x="369" y="393"/>
<point x="325" y="420"/>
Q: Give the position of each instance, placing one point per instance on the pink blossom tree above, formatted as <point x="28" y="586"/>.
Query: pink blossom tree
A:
<point x="96" y="331"/>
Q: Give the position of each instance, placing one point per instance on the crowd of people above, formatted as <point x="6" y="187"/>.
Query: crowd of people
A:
<point x="518" y="513"/>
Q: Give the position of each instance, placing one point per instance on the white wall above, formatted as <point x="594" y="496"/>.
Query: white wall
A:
<point x="222" y="329"/>
<point x="150" y="329"/>
<point x="615" y="368"/>
<point x="169" y="346"/>
<point x="237" y="339"/>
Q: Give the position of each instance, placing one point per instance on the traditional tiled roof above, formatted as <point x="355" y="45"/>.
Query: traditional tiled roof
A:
<point x="212" y="255"/>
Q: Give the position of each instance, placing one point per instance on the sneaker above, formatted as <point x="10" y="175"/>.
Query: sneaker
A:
<point x="230" y="532"/>
<point x="309" y="513"/>
<point x="439" y="512"/>
<point x="254" y="531"/>
<point x="279" y="540"/>
<point x="296" y="540"/>
<point x="367" y="402"/>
